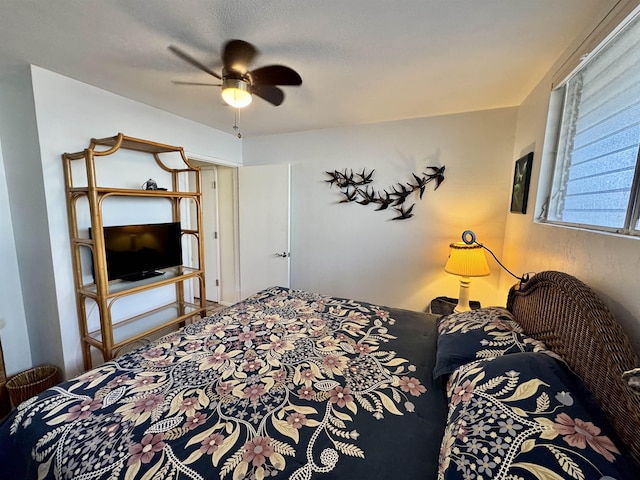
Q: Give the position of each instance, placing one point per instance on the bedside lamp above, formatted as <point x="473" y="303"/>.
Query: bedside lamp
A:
<point x="466" y="261"/>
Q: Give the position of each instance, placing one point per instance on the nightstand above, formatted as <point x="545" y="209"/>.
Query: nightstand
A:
<point x="445" y="305"/>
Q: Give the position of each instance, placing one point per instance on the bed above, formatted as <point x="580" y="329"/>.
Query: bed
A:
<point x="297" y="385"/>
<point x="286" y="384"/>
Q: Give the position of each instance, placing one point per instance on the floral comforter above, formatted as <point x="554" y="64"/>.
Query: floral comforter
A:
<point x="286" y="384"/>
<point x="527" y="416"/>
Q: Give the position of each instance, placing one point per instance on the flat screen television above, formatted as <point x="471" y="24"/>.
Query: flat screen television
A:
<point x="135" y="252"/>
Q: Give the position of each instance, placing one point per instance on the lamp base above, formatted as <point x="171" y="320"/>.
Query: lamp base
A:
<point x="463" y="296"/>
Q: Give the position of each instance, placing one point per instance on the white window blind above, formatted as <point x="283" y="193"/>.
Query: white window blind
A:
<point x="595" y="176"/>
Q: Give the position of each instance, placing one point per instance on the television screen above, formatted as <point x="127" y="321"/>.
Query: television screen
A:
<point x="135" y="252"/>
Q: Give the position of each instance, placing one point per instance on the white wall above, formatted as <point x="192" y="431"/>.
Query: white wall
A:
<point x="607" y="263"/>
<point x="353" y="251"/>
<point x="13" y="325"/>
<point x="28" y="222"/>
<point x="68" y="114"/>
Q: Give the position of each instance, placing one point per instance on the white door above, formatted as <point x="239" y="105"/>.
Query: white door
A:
<point x="264" y="196"/>
<point x="210" y="231"/>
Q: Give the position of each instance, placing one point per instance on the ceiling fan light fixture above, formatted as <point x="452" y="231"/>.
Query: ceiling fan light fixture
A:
<point x="236" y="92"/>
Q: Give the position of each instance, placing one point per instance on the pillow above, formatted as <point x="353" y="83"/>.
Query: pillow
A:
<point x="483" y="333"/>
<point x="527" y="416"/>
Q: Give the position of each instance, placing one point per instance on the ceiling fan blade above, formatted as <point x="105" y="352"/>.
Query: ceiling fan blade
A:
<point x="276" y="75"/>
<point x="237" y="55"/>
<point x="189" y="59"/>
<point x="177" y="82"/>
<point x="271" y="94"/>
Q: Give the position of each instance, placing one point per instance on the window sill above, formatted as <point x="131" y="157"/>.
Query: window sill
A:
<point x="586" y="229"/>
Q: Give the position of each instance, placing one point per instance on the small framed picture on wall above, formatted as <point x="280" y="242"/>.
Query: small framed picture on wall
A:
<point x="521" y="178"/>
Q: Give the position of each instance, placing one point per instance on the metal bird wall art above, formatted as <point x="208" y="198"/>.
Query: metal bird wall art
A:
<point x="355" y="187"/>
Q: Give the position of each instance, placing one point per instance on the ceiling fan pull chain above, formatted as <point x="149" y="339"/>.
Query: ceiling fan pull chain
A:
<point x="236" y="128"/>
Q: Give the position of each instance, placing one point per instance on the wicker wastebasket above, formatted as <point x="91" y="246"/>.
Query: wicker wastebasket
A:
<point x="25" y="385"/>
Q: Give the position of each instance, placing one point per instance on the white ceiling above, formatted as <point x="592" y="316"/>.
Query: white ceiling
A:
<point x="361" y="61"/>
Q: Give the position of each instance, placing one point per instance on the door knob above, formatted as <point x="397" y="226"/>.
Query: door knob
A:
<point x="283" y="254"/>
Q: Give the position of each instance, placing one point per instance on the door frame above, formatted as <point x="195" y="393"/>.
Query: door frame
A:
<point x="208" y="162"/>
<point x="231" y="183"/>
<point x="216" y="227"/>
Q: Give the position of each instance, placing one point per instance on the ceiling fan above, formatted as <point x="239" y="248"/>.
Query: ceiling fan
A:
<point x="239" y="83"/>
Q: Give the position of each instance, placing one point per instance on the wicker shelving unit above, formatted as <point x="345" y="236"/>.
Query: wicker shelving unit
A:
<point x="111" y="336"/>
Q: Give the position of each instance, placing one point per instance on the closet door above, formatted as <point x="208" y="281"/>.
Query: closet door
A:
<point x="264" y="194"/>
<point x="210" y="231"/>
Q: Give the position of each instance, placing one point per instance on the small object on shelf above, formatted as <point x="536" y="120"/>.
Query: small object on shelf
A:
<point x="29" y="383"/>
<point x="446" y="305"/>
<point x="152" y="185"/>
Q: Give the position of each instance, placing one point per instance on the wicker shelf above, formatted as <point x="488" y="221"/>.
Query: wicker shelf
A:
<point x="119" y="288"/>
<point x="114" y="333"/>
<point x="128" y="192"/>
<point x="141" y="326"/>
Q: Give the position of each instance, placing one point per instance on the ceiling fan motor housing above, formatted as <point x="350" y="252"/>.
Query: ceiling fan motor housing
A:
<point x="232" y="81"/>
<point x="236" y="90"/>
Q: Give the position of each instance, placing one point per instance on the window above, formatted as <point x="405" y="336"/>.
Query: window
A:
<point x="596" y="176"/>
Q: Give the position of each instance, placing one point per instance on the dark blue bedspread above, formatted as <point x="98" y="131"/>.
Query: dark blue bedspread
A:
<point x="286" y="384"/>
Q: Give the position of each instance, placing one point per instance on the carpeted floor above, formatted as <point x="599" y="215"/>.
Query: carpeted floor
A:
<point x="212" y="307"/>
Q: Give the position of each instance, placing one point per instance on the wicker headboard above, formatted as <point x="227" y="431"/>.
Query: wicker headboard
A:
<point x="569" y="317"/>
